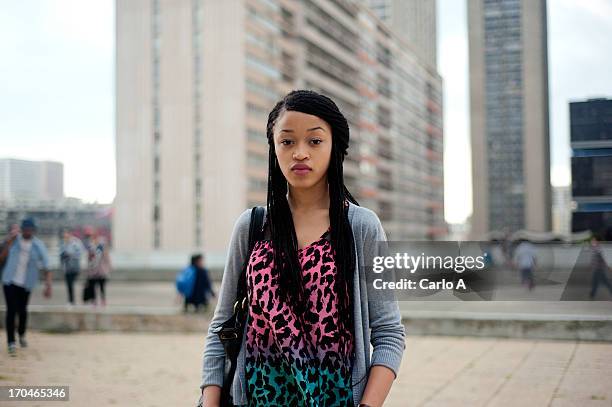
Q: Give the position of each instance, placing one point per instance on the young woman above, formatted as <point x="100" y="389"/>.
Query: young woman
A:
<point x="99" y="267"/>
<point x="310" y="324"/>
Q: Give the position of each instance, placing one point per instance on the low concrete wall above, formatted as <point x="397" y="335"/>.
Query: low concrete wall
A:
<point x="151" y="319"/>
<point x="597" y="329"/>
<point x="57" y="321"/>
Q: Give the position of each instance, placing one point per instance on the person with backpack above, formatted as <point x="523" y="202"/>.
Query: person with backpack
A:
<point x="293" y="318"/>
<point x="194" y="284"/>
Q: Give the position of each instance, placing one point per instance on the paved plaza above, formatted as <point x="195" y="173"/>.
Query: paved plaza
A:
<point x="120" y="369"/>
<point x="163" y="369"/>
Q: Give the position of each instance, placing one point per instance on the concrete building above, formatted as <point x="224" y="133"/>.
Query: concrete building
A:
<point x="414" y="21"/>
<point x="30" y="180"/>
<point x="509" y="115"/>
<point x="196" y="81"/>
<point x="562" y="210"/>
<point x="591" y="142"/>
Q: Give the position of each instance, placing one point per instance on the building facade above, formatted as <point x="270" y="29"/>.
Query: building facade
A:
<point x="414" y="21"/>
<point x="30" y="180"/>
<point x="509" y="116"/>
<point x="196" y="81"/>
<point x="591" y="142"/>
<point x="562" y="210"/>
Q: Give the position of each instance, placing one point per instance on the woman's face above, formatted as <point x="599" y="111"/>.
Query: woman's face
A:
<point x="303" y="145"/>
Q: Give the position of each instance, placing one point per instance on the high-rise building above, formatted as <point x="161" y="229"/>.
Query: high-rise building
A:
<point x="591" y="142"/>
<point x="414" y="21"/>
<point x="509" y="116"/>
<point x="196" y="81"/>
<point x="23" y="180"/>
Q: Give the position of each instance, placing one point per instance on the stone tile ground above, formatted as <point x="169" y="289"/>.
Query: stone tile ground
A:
<point x="121" y="369"/>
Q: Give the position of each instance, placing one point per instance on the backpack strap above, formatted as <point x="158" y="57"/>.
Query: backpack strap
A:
<point x="255" y="234"/>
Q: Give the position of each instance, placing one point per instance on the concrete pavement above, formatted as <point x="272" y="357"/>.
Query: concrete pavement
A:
<point x="118" y="369"/>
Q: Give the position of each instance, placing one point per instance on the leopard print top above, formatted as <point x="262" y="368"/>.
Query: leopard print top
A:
<point x="291" y="359"/>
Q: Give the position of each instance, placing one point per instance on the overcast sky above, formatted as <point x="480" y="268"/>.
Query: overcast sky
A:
<point x="57" y="87"/>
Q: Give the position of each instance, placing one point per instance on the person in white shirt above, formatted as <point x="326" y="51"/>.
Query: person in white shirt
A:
<point x="525" y="259"/>
<point x="25" y="257"/>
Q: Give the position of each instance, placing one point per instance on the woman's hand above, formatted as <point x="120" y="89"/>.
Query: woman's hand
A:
<point x="379" y="383"/>
<point x="211" y="396"/>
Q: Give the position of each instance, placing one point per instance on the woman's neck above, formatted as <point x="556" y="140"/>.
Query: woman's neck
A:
<point x="304" y="200"/>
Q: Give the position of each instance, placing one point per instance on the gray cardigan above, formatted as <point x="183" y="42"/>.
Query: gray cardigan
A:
<point x="376" y="322"/>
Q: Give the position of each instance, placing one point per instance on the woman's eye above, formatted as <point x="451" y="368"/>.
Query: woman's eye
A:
<point x="316" y="141"/>
<point x="285" y="142"/>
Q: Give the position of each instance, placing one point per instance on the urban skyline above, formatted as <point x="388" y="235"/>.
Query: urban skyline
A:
<point x="90" y="52"/>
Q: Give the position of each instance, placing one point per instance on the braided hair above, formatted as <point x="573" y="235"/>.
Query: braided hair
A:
<point x="283" y="236"/>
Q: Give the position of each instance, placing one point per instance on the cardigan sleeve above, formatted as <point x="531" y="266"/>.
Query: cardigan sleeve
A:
<point x="387" y="331"/>
<point x="213" y="360"/>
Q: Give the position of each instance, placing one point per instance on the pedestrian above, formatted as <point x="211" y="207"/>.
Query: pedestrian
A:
<point x="599" y="268"/>
<point x="26" y="256"/>
<point x="309" y="319"/>
<point x="525" y="259"/>
<point x="98" y="267"/>
<point x="71" y="250"/>
<point x="202" y="289"/>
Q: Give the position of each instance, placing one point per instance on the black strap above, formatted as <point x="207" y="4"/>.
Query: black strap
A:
<point x="255" y="234"/>
<point x="238" y="320"/>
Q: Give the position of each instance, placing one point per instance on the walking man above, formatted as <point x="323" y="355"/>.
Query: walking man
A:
<point x="25" y="256"/>
<point x="600" y="269"/>
<point x="70" y="257"/>
<point x="525" y="259"/>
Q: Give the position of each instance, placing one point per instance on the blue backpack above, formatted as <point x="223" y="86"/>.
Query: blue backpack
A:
<point x="185" y="280"/>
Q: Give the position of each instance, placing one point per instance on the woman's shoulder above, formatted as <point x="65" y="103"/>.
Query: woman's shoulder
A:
<point x="243" y="221"/>
<point x="363" y="217"/>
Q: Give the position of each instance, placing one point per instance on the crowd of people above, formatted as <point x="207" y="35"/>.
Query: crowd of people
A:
<point x="98" y="265"/>
<point x="23" y="257"/>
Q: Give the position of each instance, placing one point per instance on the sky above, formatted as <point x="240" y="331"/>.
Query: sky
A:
<point x="57" y="87"/>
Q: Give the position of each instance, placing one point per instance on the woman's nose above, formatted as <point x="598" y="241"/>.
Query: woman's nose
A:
<point x="299" y="155"/>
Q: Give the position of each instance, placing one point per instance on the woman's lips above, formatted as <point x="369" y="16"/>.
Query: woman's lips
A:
<point x="301" y="171"/>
